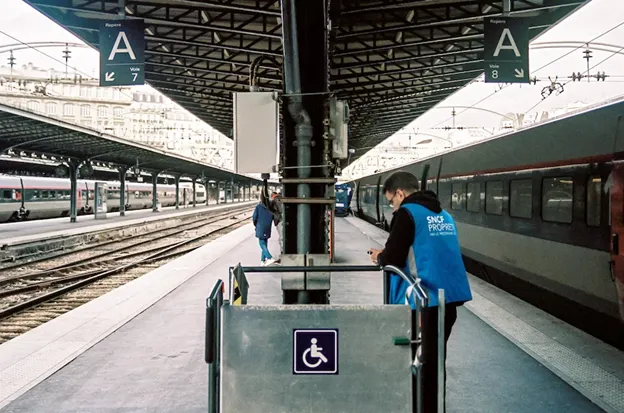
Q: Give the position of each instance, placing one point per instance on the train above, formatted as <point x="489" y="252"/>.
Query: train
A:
<point x="32" y="198"/>
<point x="343" y="193"/>
<point x="539" y="213"/>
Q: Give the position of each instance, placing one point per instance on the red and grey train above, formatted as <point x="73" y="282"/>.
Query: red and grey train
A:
<point x="539" y="212"/>
<point x="27" y="197"/>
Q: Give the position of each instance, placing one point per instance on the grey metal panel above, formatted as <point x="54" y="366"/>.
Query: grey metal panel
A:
<point x="318" y="280"/>
<point x="257" y="360"/>
<point x="291" y="280"/>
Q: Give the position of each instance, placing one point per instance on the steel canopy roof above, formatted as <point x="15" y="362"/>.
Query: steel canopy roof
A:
<point x="392" y="60"/>
<point x="25" y="131"/>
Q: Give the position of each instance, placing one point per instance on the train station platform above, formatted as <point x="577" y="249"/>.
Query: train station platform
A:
<point x="31" y="231"/>
<point x="141" y="346"/>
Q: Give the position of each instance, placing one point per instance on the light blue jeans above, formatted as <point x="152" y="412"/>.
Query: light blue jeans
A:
<point x="264" y="246"/>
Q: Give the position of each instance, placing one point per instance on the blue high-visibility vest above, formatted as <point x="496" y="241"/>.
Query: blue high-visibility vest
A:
<point x="435" y="258"/>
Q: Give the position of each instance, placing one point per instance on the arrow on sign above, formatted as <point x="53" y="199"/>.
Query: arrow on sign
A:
<point x="519" y="73"/>
<point x="110" y="76"/>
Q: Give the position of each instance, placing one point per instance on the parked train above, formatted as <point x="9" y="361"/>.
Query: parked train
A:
<point x="27" y="197"/>
<point x="539" y="213"/>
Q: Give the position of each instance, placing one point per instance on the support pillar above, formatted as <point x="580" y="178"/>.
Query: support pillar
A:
<point x="218" y="191"/>
<point x="122" y="190"/>
<point x="177" y="185"/>
<point x="195" y="193"/>
<point x="155" y="192"/>
<point x="73" y="199"/>
<point x="304" y="148"/>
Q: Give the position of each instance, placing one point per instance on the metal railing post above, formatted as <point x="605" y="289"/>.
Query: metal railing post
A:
<point x="441" y="350"/>
<point x="416" y="291"/>
<point x="213" y="347"/>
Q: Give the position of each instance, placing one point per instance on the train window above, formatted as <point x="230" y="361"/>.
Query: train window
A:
<point x="594" y="186"/>
<point x="521" y="198"/>
<point x="557" y="195"/>
<point x="494" y="197"/>
<point x="458" y="196"/>
<point x="6" y="195"/>
<point x="473" y="197"/>
<point x="32" y="195"/>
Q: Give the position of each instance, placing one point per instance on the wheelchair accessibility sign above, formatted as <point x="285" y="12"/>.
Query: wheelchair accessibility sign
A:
<point x="315" y="351"/>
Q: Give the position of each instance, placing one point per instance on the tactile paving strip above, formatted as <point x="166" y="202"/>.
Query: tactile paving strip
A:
<point x="598" y="385"/>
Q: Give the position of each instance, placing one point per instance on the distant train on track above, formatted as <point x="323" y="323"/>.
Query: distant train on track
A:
<point x="539" y="213"/>
<point x="27" y="197"/>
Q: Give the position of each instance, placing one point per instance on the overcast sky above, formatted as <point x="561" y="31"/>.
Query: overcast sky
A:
<point x="27" y="25"/>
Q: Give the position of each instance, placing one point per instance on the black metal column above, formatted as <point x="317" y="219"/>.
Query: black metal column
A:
<point x="195" y="192"/>
<point x="155" y="191"/>
<point x="304" y="27"/>
<point x="122" y="190"/>
<point x="177" y="185"/>
<point x="73" y="198"/>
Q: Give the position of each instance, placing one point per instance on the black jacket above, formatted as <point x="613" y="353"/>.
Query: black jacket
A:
<point x="403" y="230"/>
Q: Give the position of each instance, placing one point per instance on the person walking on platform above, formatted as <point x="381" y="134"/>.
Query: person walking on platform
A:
<point x="278" y="215"/>
<point x="262" y="219"/>
<point x="423" y="242"/>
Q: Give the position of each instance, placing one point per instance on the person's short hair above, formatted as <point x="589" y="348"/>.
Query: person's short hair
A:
<point x="401" y="180"/>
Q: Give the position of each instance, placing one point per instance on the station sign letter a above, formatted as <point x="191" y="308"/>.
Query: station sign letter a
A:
<point x="501" y="45"/>
<point x="127" y="47"/>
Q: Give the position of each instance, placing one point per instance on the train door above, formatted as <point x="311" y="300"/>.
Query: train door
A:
<point x="617" y="231"/>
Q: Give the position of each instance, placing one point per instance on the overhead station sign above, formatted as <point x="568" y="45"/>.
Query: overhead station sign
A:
<point x="506" y="50"/>
<point x="122" y="53"/>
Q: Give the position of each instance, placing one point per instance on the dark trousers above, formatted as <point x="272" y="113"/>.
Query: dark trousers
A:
<point x="430" y="354"/>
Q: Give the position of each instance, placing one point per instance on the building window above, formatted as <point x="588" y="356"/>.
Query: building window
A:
<point x="117" y="112"/>
<point x="521" y="198"/>
<point x="102" y="112"/>
<point x="85" y="111"/>
<point x="557" y="199"/>
<point x="594" y="186"/>
<point x="68" y="109"/>
<point x="457" y="196"/>
<point x="473" y="197"/>
<point x="51" y="108"/>
<point x="494" y="197"/>
<point x="84" y="92"/>
<point x="33" y="105"/>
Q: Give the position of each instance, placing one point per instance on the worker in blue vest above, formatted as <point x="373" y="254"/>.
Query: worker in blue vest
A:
<point x="423" y="242"/>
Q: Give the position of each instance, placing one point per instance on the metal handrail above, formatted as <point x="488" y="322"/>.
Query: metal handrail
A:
<point x="319" y="268"/>
<point x="417" y="291"/>
<point x="213" y="339"/>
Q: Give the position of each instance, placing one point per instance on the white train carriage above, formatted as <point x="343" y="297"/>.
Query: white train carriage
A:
<point x="39" y="198"/>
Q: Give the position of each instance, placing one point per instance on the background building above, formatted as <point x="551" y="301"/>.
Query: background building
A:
<point x="139" y="114"/>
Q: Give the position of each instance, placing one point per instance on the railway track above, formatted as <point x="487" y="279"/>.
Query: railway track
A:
<point x="30" y="299"/>
<point x="40" y="261"/>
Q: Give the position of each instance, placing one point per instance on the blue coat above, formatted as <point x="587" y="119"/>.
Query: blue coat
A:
<point x="435" y="258"/>
<point x="262" y="220"/>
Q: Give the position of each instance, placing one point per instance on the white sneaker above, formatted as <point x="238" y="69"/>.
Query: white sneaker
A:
<point x="269" y="262"/>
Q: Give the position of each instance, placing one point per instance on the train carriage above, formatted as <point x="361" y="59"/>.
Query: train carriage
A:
<point x="39" y="198"/>
<point x="539" y="213"/>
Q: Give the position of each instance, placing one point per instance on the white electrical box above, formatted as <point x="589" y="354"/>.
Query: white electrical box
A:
<point x="256" y="132"/>
<point x="339" y="128"/>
